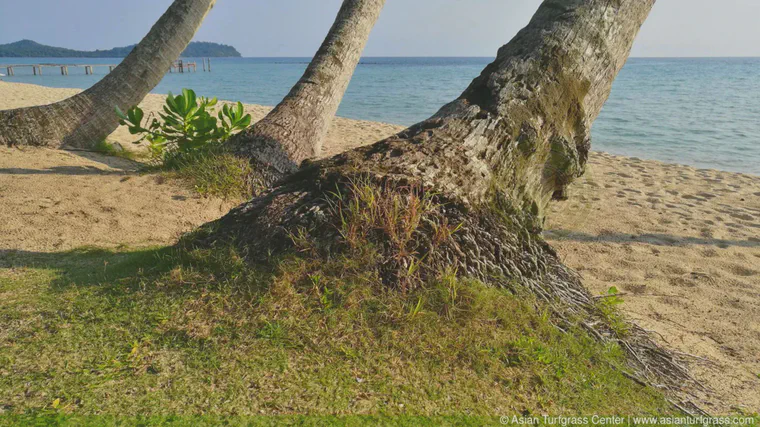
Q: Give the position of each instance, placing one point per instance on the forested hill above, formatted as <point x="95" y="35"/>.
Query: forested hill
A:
<point x="29" y="48"/>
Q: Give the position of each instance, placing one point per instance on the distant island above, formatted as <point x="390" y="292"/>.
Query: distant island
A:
<point x="32" y="49"/>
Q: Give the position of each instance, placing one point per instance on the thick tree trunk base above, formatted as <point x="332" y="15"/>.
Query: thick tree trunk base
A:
<point x="420" y="233"/>
<point x="266" y="155"/>
<point x="78" y="122"/>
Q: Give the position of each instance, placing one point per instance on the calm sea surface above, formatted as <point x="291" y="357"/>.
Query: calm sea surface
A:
<point x="703" y="112"/>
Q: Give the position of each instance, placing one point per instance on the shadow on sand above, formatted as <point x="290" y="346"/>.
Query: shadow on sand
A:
<point x="91" y="266"/>
<point x="656" y="239"/>
<point x="63" y="170"/>
<point x="117" y="165"/>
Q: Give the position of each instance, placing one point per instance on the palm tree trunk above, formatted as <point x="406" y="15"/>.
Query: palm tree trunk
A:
<point x="489" y="161"/>
<point x="295" y="129"/>
<point x="518" y="135"/>
<point x="492" y="158"/>
<point x="89" y="116"/>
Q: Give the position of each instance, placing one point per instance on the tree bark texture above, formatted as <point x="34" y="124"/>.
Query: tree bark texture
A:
<point x="518" y="135"/>
<point x="89" y="116"/>
<point x="295" y="129"/>
<point x="490" y="160"/>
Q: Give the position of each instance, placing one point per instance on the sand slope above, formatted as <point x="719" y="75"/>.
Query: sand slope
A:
<point x="684" y="244"/>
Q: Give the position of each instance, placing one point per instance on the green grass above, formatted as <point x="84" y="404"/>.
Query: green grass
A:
<point x="146" y="333"/>
<point x="109" y="149"/>
<point x="607" y="305"/>
<point x="210" y="173"/>
<point x="286" y="420"/>
<point x="213" y="174"/>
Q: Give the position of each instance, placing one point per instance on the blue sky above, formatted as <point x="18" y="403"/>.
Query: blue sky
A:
<point x="406" y="28"/>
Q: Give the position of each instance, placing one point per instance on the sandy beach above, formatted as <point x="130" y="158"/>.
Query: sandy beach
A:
<point x="683" y="244"/>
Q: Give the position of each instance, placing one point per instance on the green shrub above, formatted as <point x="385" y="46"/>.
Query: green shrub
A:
<point x="186" y="127"/>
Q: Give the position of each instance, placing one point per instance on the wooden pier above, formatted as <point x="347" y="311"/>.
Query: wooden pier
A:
<point x="179" y="66"/>
<point x="10" y="70"/>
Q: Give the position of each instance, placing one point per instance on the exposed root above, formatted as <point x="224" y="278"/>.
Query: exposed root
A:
<point x="418" y="233"/>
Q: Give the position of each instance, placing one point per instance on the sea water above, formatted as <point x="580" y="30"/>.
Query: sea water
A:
<point x="703" y="112"/>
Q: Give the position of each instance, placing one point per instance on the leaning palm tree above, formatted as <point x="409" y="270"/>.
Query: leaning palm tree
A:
<point x="89" y="116"/>
<point x="494" y="157"/>
<point x="466" y="190"/>
<point x="295" y="129"/>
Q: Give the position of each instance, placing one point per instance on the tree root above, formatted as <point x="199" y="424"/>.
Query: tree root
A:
<point x="317" y="211"/>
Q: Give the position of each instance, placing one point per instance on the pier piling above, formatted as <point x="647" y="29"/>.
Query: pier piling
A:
<point x="179" y="66"/>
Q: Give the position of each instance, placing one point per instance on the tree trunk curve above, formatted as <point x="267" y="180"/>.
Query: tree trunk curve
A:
<point x="490" y="161"/>
<point x="89" y="116"/>
<point x="518" y="135"/>
<point x="295" y="129"/>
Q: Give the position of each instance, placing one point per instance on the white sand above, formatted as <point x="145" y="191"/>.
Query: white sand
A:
<point x="684" y="244"/>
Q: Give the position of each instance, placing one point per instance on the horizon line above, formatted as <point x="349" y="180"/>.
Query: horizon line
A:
<point x="491" y="56"/>
<point x="405" y="56"/>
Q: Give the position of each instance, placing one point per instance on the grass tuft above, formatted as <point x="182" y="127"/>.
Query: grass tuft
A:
<point x="607" y="305"/>
<point x="114" y="150"/>
<point x="395" y="227"/>
<point x="212" y="173"/>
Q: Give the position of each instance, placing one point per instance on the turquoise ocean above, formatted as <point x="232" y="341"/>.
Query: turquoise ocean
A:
<point x="703" y="112"/>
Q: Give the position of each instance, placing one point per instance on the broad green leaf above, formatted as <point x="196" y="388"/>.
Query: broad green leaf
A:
<point x="120" y="113"/>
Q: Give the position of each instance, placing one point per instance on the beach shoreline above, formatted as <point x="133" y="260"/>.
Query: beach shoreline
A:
<point x="682" y="243"/>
